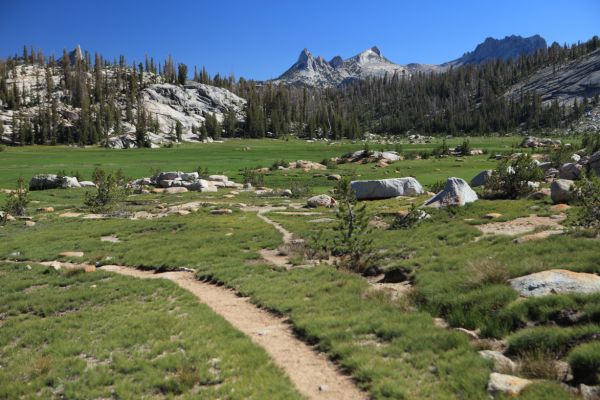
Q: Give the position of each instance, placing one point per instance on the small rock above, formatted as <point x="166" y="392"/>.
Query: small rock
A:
<point x="589" y="392"/>
<point x="540" y="194"/>
<point x="173" y="190"/>
<point x="45" y="209"/>
<point x="71" y="254"/>
<point x="322" y="200"/>
<point x="221" y="211"/>
<point x="29" y="223"/>
<point x="502" y="363"/>
<point x="481" y="178"/>
<point x="492" y="215"/>
<point x="334" y="177"/>
<point x="560" y="207"/>
<point x="323" y="388"/>
<point x="506" y="384"/>
<point x="473" y="335"/>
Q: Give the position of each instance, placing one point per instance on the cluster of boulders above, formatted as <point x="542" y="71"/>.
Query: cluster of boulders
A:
<point x="306" y="165"/>
<point x="419" y="139"/>
<point x="53" y="181"/>
<point x="178" y="182"/>
<point x="382" y="158"/>
<point x="534" y="142"/>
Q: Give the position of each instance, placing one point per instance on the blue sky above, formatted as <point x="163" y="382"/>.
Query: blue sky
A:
<point x="260" y="39"/>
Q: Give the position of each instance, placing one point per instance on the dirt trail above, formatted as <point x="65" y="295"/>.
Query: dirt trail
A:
<point x="273" y="256"/>
<point x="313" y="375"/>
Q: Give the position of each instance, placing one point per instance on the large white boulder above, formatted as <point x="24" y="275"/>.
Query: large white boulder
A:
<point x="555" y="281"/>
<point x="456" y="193"/>
<point x="386" y="188"/>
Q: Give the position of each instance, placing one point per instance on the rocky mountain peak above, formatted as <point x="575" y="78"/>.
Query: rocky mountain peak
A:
<point x="509" y="47"/>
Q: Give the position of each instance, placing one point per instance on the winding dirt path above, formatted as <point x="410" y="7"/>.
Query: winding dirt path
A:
<point x="313" y="375"/>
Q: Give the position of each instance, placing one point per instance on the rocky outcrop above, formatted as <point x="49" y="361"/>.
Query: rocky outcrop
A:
<point x="511" y="47"/>
<point x="565" y="83"/>
<point x="456" y="193"/>
<point x="555" y="281"/>
<point x="52" y="181"/>
<point x="534" y="142"/>
<point x="561" y="190"/>
<point x="386" y="188"/>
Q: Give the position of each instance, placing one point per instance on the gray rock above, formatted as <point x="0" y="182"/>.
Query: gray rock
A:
<point x="45" y="181"/>
<point x="334" y="177"/>
<point x="456" y="193"/>
<point x="168" y="176"/>
<point x="589" y="392"/>
<point x="545" y="166"/>
<point x="321" y="200"/>
<point x="386" y="188"/>
<point x="594" y="162"/>
<point x="218" y="178"/>
<point x="551" y="173"/>
<point x="569" y="171"/>
<point x="173" y="190"/>
<point x="502" y="363"/>
<point x="87" y="184"/>
<point x="560" y="190"/>
<point x="555" y="281"/>
<point x="190" y="176"/>
<point x="481" y="178"/>
<point x="69" y="182"/>
<point x="506" y="384"/>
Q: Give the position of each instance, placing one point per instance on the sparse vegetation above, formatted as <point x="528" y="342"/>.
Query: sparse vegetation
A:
<point x="587" y="191"/>
<point x="17" y="200"/>
<point x="511" y="179"/>
<point x="109" y="191"/>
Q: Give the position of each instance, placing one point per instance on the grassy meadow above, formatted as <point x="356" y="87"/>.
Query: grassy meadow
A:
<point x="390" y="346"/>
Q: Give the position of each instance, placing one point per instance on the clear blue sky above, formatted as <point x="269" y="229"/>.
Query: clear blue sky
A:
<point x="260" y="39"/>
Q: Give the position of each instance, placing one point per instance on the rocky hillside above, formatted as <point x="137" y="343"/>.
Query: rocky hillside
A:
<point x="164" y="104"/>
<point x="564" y="83"/>
<point x="317" y="72"/>
<point x="510" y="47"/>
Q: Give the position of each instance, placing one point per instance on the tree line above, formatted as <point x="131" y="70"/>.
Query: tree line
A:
<point x="76" y="101"/>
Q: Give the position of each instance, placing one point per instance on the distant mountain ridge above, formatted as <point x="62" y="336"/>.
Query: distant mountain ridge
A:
<point x="317" y="72"/>
<point x="501" y="49"/>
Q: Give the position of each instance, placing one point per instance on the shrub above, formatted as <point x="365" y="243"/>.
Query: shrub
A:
<point x="587" y="192"/>
<point x="329" y="163"/>
<point x="352" y="240"/>
<point x="108" y="192"/>
<point x="485" y="272"/>
<point x="539" y="365"/>
<point x="300" y="190"/>
<point x="441" y="150"/>
<point x="464" y="149"/>
<point x="585" y="363"/>
<point x="551" y="339"/>
<point x="561" y="155"/>
<point x="437" y="186"/>
<point x="511" y="179"/>
<point x="16" y="202"/>
<point x="409" y="219"/>
<point x="2" y="148"/>
<point x="202" y="173"/>
<point x="591" y="142"/>
<point x="253" y="177"/>
<point x="279" y="163"/>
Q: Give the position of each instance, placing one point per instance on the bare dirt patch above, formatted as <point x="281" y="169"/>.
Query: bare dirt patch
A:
<point x="524" y="225"/>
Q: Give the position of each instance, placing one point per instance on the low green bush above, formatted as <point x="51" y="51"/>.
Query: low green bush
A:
<point x="585" y="362"/>
<point x="17" y="200"/>
<point x="511" y="178"/>
<point x="553" y="339"/>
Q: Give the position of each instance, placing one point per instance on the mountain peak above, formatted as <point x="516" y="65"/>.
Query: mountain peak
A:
<point x="305" y="55"/>
<point x="509" y="47"/>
